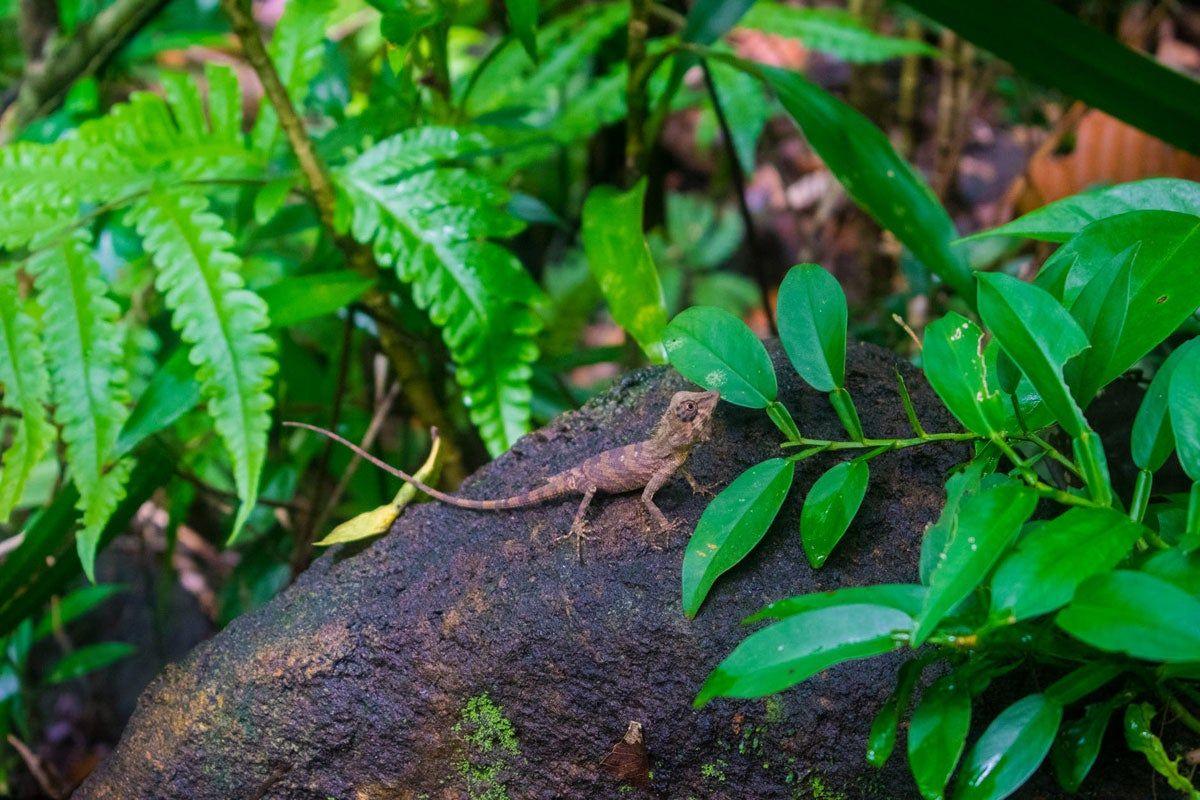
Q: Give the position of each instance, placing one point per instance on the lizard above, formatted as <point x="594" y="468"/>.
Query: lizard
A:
<point x="646" y="465"/>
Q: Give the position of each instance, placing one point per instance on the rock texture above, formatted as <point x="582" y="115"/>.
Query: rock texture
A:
<point x="467" y="655"/>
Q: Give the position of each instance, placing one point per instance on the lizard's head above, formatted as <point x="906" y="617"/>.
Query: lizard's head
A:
<point x="688" y="419"/>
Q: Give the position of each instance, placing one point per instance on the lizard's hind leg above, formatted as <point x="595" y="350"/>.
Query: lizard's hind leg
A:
<point x="579" y="524"/>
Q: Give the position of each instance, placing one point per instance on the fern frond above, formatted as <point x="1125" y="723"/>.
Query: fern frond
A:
<point x="413" y="149"/>
<point x="296" y="48"/>
<point x="26" y="387"/>
<point x="433" y="227"/>
<point x="138" y="145"/>
<point x="222" y="323"/>
<point x="84" y="354"/>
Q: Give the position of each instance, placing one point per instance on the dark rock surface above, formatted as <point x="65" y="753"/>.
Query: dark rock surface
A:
<point x="467" y="655"/>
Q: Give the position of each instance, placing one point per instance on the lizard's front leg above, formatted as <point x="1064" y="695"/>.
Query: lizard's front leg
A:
<point x="697" y="487"/>
<point x="653" y="485"/>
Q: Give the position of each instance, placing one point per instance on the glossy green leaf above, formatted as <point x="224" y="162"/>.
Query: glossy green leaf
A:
<point x="709" y="20"/>
<point x="881" y="740"/>
<point x="875" y="176"/>
<point x="70" y="608"/>
<point x="1175" y="566"/>
<point x="87" y="659"/>
<point x="830" y="30"/>
<point x="1009" y="750"/>
<point x="1082" y="681"/>
<point x="955" y="366"/>
<point x="717" y="350"/>
<point x="1062" y="219"/>
<point x="812" y="326"/>
<point x="937" y="735"/>
<point x="172" y="392"/>
<point x="799" y="647"/>
<point x="1039" y="335"/>
<point x="1137" y="614"/>
<point x="1055" y="557"/>
<point x="1078" y="744"/>
<point x="959" y="486"/>
<point x="987" y="522"/>
<point x="906" y="597"/>
<point x="1049" y="45"/>
<point x="1183" y="399"/>
<point x="1153" y="439"/>
<point x="303" y="297"/>
<point x="620" y="259"/>
<point x="522" y="18"/>
<point x="1139" y="735"/>
<point x="732" y="524"/>
<point x="830" y="506"/>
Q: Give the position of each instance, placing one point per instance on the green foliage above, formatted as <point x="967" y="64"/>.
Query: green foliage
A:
<point x="1134" y="613"/>
<point x="715" y="349"/>
<point x="26" y="391"/>
<point x="296" y="52"/>
<point x="1010" y="749"/>
<point x="1141" y="739"/>
<point x="937" y="734"/>
<point x="830" y="506"/>
<point x="830" y="30"/>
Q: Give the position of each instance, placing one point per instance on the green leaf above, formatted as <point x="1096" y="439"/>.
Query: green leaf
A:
<point x="1139" y="735"/>
<point x="1062" y="219"/>
<point x="1009" y="750"/>
<point x="83" y="352"/>
<point x="906" y="597"/>
<point x="88" y="659"/>
<point x="957" y="370"/>
<point x="829" y="508"/>
<point x="832" y="31"/>
<point x="26" y="385"/>
<point x="718" y="351"/>
<point x="70" y="608"/>
<point x="1175" y="566"/>
<point x="1056" y="556"/>
<point x="709" y="20"/>
<point x="747" y="110"/>
<point x="987" y="522"/>
<point x="300" y="298"/>
<point x="1129" y="281"/>
<point x="221" y="322"/>
<point x="1039" y="335"/>
<point x="881" y="740"/>
<point x="271" y="198"/>
<point x="297" y="49"/>
<point x="433" y="225"/>
<point x="171" y="393"/>
<point x="1153" y="439"/>
<point x="875" y="176"/>
<point x="812" y="326"/>
<point x="522" y="18"/>
<point x="799" y="647"/>
<point x="937" y="734"/>
<point x="620" y="260"/>
<point x="1137" y="614"/>
<point x="1182" y="395"/>
<point x="961" y="484"/>
<point x="732" y="524"/>
<point x="1065" y="53"/>
<point x="1078" y="744"/>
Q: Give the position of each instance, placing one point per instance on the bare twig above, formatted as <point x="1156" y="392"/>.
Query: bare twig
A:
<point x="413" y="381"/>
<point x="46" y="81"/>
<point x="51" y="784"/>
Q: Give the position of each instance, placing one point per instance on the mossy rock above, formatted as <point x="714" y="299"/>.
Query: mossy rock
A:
<point x="468" y="655"/>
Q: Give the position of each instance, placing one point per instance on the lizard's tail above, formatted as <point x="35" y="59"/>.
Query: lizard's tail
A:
<point x="536" y="496"/>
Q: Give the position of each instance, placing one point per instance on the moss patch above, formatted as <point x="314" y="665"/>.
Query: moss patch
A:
<point x="488" y="746"/>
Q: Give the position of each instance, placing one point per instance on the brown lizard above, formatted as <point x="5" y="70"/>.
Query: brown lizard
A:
<point x="645" y="465"/>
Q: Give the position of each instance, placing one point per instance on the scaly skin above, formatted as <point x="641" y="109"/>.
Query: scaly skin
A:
<point x="645" y="465"/>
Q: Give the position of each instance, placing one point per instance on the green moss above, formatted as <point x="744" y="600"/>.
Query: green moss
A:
<point x="488" y="747"/>
<point x="822" y="792"/>
<point x="714" y="770"/>
<point x="774" y="710"/>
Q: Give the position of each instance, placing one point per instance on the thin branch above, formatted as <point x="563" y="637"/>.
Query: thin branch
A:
<point x="636" y="90"/>
<point x="413" y="381"/>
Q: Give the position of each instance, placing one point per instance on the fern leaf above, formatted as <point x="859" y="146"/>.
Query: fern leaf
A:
<point x="26" y="386"/>
<point x="222" y="323"/>
<point x="84" y="354"/>
<point x="433" y="228"/>
<point x="412" y="150"/>
<point x="296" y="48"/>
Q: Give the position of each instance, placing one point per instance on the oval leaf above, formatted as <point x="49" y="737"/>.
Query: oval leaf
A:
<point x="80" y="662"/>
<point x="1062" y="219"/>
<point x="812" y="326"/>
<point x="954" y="363"/>
<point x="1039" y="335"/>
<point x="619" y="258"/>
<point x="830" y="506"/>
<point x="937" y="735"/>
<point x="1009" y="750"/>
<point x="799" y="647"/>
<point x="987" y="522"/>
<point x="1055" y="557"/>
<point x="1153" y="439"/>
<point x="734" y="522"/>
<point x="882" y="738"/>
<point x="1182" y="398"/>
<point x="906" y="597"/>
<point x="1135" y="613"/>
<point x="1078" y="744"/>
<point x="715" y="349"/>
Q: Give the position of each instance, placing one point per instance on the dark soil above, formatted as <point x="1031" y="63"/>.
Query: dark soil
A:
<point x="468" y="655"/>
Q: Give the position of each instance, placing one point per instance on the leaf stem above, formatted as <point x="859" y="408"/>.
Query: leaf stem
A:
<point x="1186" y="717"/>
<point x="865" y="444"/>
<point x="1141" y="495"/>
